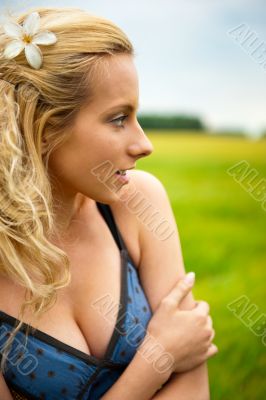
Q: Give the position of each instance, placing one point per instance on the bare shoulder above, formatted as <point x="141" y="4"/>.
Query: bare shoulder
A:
<point x="143" y="186"/>
<point x="146" y="181"/>
<point x="144" y="208"/>
<point x="161" y="261"/>
<point x="147" y="201"/>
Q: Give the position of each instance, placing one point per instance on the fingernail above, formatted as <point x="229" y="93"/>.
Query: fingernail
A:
<point x="190" y="278"/>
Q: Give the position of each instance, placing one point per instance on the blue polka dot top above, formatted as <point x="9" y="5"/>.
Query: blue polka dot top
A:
<point x="46" y="368"/>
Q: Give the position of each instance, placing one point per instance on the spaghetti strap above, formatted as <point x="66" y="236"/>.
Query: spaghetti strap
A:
<point x="107" y="214"/>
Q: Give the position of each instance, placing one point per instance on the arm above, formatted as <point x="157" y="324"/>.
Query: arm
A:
<point x="4" y="391"/>
<point x="139" y="380"/>
<point x="160" y="266"/>
<point x="180" y="386"/>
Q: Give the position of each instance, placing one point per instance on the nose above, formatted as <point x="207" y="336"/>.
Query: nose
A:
<point x="142" y="146"/>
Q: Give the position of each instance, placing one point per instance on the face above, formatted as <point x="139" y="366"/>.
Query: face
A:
<point x="104" y="138"/>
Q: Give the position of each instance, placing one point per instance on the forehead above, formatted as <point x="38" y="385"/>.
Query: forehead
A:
<point x="116" y="83"/>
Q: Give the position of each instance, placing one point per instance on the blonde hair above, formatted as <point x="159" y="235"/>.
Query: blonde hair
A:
<point x="35" y="107"/>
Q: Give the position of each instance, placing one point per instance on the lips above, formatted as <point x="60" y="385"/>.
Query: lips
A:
<point x="125" y="169"/>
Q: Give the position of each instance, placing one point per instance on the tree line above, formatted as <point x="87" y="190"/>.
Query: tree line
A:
<point x="174" y="122"/>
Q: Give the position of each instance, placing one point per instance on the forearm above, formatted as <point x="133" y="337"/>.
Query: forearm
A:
<point x="140" y="380"/>
<point x="191" y="385"/>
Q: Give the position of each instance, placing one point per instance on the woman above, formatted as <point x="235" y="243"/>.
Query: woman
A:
<point x="90" y="282"/>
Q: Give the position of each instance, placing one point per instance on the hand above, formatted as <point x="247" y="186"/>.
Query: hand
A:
<point x="186" y="335"/>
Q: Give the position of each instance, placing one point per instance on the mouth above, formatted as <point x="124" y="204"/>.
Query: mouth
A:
<point x="123" y="176"/>
<point x="123" y="171"/>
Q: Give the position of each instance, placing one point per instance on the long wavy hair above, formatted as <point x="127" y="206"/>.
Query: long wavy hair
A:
<point x="35" y="107"/>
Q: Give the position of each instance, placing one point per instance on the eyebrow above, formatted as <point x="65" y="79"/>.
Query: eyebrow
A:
<point x="125" y="107"/>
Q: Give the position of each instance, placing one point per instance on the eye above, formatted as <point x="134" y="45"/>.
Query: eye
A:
<point x="120" y="119"/>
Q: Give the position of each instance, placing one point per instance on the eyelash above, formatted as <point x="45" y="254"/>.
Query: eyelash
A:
<point x="122" y="118"/>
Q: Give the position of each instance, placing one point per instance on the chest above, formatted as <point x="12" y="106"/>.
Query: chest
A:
<point x="96" y="267"/>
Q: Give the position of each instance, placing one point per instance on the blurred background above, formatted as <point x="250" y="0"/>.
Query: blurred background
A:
<point x="202" y="75"/>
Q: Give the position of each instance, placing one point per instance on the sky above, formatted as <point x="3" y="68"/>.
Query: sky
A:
<point x="189" y="55"/>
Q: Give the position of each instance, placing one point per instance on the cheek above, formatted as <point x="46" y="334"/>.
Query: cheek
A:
<point x="66" y="161"/>
<point x="85" y="150"/>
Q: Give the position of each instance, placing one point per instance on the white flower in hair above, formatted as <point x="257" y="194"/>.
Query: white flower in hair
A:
<point x="27" y="37"/>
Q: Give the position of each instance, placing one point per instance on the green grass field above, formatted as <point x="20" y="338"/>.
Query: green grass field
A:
<point x="222" y="230"/>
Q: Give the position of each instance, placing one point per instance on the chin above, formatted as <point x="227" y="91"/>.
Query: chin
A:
<point x="108" y="196"/>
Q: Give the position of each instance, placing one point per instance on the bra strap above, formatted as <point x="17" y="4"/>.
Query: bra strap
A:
<point x="107" y="214"/>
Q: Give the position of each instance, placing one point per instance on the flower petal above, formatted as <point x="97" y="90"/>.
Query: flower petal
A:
<point x="45" y="37"/>
<point x="33" y="55"/>
<point x="13" y="48"/>
<point x="31" y="24"/>
<point x="13" y="30"/>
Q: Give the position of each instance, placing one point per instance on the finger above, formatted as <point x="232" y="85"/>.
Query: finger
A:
<point x="212" y="350"/>
<point x="202" y="308"/>
<point x="195" y="303"/>
<point x="212" y="335"/>
<point x="209" y="321"/>
<point x="181" y="289"/>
